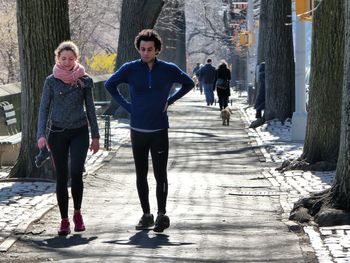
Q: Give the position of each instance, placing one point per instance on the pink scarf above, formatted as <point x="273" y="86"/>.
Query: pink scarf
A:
<point x="69" y="76"/>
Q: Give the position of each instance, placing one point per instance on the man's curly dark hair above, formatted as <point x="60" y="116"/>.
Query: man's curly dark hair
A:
<point x="149" y="35"/>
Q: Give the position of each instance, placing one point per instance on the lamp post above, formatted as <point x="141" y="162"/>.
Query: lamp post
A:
<point x="251" y="48"/>
<point x="299" y="116"/>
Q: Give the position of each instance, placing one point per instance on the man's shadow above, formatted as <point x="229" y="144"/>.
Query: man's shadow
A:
<point x="64" y="241"/>
<point x="143" y="239"/>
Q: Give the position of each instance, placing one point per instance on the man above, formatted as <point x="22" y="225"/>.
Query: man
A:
<point x="260" y="100"/>
<point x="195" y="74"/>
<point x="259" y="105"/>
<point x="207" y="75"/>
<point x="196" y="69"/>
<point x="150" y="81"/>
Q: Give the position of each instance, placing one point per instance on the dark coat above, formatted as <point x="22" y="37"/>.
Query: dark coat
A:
<point x="207" y="74"/>
<point x="196" y="71"/>
<point x="223" y="73"/>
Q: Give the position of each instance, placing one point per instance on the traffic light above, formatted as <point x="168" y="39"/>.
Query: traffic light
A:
<point x="247" y="38"/>
<point x="244" y="38"/>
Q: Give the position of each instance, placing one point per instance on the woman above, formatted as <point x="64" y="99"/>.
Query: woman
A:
<point x="65" y="94"/>
<point x="223" y="91"/>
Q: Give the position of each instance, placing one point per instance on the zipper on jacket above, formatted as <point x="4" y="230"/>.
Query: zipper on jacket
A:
<point x="149" y="79"/>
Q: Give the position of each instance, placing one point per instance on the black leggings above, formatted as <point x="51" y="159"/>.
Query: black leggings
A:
<point x="158" y="143"/>
<point x="73" y="144"/>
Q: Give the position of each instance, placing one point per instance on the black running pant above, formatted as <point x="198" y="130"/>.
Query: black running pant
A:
<point x="158" y="143"/>
<point x="65" y="144"/>
<point x="223" y="102"/>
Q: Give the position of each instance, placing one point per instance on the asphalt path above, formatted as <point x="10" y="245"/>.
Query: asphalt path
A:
<point x="221" y="207"/>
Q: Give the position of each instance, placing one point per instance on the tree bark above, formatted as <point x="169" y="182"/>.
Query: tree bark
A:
<point x="171" y="26"/>
<point x="135" y="16"/>
<point x="260" y="50"/>
<point x="279" y="74"/>
<point x="262" y="32"/>
<point x="166" y="27"/>
<point x="181" y="37"/>
<point x="324" y="110"/>
<point x="330" y="207"/>
<point x="42" y="25"/>
<point x="341" y="184"/>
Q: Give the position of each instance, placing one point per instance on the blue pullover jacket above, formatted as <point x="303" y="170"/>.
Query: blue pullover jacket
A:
<point x="149" y="91"/>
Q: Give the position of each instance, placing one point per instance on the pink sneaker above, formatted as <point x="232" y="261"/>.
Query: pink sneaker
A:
<point x="64" y="227"/>
<point x="79" y="223"/>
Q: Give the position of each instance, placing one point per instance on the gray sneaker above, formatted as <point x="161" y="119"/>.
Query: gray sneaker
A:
<point x="162" y="222"/>
<point x="145" y="222"/>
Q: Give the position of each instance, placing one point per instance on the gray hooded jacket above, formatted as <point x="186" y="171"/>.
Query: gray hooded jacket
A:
<point x="64" y="105"/>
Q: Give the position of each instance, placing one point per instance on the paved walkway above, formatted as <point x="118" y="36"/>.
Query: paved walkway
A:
<point x="226" y="202"/>
<point x="24" y="201"/>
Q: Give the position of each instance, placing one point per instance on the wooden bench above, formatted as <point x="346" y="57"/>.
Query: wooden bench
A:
<point x="10" y="138"/>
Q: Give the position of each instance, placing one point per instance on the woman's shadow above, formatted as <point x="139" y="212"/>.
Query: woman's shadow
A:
<point x="142" y="239"/>
<point x="64" y="241"/>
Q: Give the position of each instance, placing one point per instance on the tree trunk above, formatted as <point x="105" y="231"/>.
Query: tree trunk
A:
<point x="341" y="183"/>
<point x="324" y="110"/>
<point x="181" y="37"/>
<point x="262" y="31"/>
<point x="261" y="46"/>
<point x="330" y="207"/>
<point x="135" y="16"/>
<point x="171" y="25"/>
<point x="166" y="27"/>
<point x="279" y="74"/>
<point x="42" y="25"/>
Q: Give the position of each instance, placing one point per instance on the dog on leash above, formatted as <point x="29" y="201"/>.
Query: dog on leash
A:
<point x="225" y="116"/>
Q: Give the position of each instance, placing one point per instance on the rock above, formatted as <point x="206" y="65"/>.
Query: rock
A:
<point x="332" y="217"/>
<point x="300" y="215"/>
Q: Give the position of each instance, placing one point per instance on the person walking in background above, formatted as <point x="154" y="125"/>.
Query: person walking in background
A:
<point x="196" y="69"/>
<point x="223" y="75"/>
<point x="150" y="81"/>
<point x="195" y="77"/>
<point x="200" y="82"/>
<point x="64" y="96"/>
<point x="207" y="76"/>
<point x="259" y="105"/>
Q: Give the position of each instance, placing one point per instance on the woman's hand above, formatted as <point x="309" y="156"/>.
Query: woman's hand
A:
<point x="42" y="142"/>
<point x="95" y="145"/>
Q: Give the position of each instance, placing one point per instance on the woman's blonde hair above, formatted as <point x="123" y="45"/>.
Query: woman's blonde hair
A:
<point x="223" y="61"/>
<point x="69" y="46"/>
<point x="223" y="64"/>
